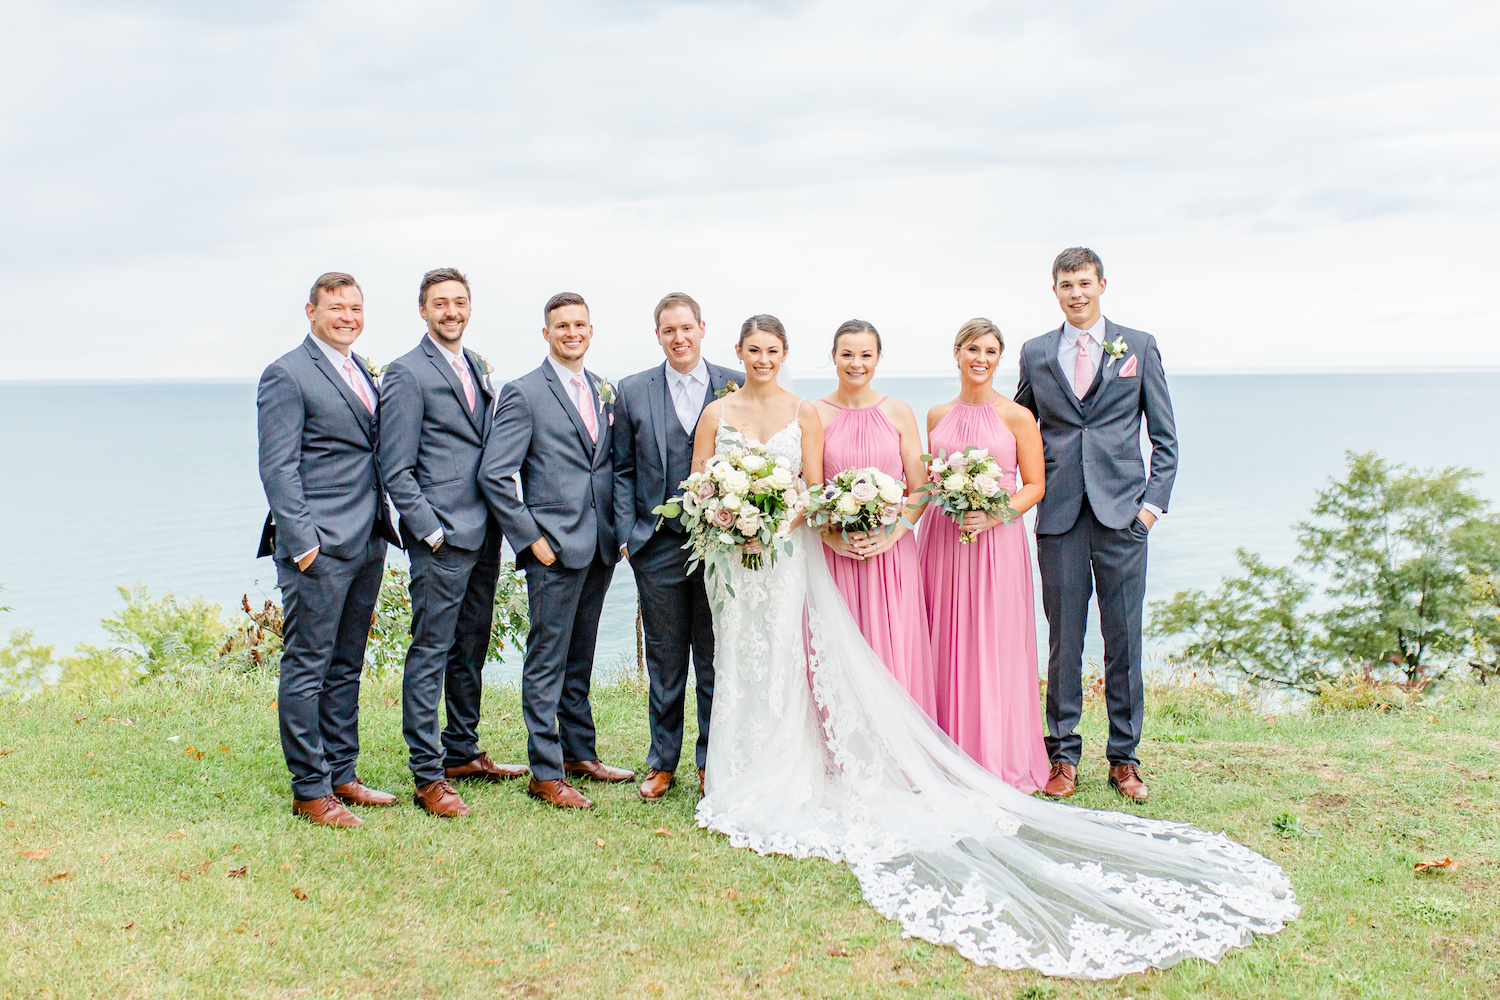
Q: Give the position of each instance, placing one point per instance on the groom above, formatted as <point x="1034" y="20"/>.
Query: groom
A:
<point x="551" y="433"/>
<point x="436" y="408"/>
<point x="1090" y="382"/>
<point x="655" y="419"/>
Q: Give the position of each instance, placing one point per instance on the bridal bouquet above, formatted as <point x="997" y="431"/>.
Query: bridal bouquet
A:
<point x="860" y="500"/>
<point x="739" y="497"/>
<point x="967" y="480"/>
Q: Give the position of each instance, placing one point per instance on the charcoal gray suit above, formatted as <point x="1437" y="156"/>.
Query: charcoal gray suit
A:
<point x="653" y="453"/>
<point x="1089" y="538"/>
<point x="431" y="443"/>
<point x="321" y="475"/>
<point x="566" y="482"/>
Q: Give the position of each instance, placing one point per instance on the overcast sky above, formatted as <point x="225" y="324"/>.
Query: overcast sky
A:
<point x="1272" y="186"/>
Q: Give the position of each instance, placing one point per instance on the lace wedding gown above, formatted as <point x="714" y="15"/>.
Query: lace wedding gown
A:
<point x="816" y="751"/>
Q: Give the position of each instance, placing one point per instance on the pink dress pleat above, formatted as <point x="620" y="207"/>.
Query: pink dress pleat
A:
<point x="884" y="594"/>
<point x="979" y="601"/>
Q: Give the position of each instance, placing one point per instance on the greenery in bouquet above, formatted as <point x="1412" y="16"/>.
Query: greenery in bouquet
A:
<point x="740" y="497"/>
<point x="964" y="481"/>
<point x="864" y="501"/>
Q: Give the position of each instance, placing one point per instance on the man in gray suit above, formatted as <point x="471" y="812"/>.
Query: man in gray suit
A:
<point x="318" y="425"/>
<point x="655" y="419"/>
<point x="552" y="431"/>
<point x="436" y="408"/>
<point x="1090" y="382"/>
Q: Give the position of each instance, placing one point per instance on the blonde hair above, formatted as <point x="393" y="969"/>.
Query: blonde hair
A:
<point x="973" y="330"/>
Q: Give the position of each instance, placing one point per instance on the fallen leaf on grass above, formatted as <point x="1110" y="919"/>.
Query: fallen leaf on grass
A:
<point x="913" y="982"/>
<point x="390" y="702"/>
<point x="299" y="894"/>
<point x="104" y="856"/>
<point x="784" y="970"/>
<point x="599" y="842"/>
<point x="129" y="925"/>
<point x="59" y="876"/>
<point x="203" y="868"/>
<point x="4" y="751"/>
<point x="174" y="836"/>
<point x="223" y="749"/>
<point x="88" y="755"/>
<point x="480" y="961"/>
<point x="239" y="872"/>
<point x="837" y="953"/>
<point x="662" y="831"/>
<point x="38" y="855"/>
<point x="1427" y="866"/>
<point x="552" y="925"/>
<point x="185" y="878"/>
<point x="79" y="719"/>
<point x="729" y="894"/>
<point x="272" y="706"/>
<point x="194" y="753"/>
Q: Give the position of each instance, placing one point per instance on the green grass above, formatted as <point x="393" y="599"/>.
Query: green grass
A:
<point x="522" y="901"/>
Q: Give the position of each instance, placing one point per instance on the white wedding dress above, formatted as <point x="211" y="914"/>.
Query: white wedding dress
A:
<point x="816" y="751"/>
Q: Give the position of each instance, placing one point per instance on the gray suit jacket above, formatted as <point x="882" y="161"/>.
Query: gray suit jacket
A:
<point x="643" y="407"/>
<point x="1092" y="445"/>
<point x="317" y="458"/>
<point x="431" y="444"/>
<point x="566" y="478"/>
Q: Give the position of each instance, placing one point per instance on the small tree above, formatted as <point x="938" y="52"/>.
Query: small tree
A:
<point x="1254" y="626"/>
<point x="1386" y="535"/>
<point x="1479" y="542"/>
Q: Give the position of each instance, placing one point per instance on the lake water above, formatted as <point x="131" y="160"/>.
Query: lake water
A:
<point x="113" y="484"/>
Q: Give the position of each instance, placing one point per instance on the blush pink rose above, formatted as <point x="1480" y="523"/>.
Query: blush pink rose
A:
<point x="706" y="489"/>
<point x="723" y="517"/>
<point x="864" y="491"/>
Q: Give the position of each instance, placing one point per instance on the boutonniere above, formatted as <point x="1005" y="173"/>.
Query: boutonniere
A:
<point x="1116" y="350"/>
<point x="731" y="387"/>
<point x="372" y="371"/>
<point x="606" y="393"/>
<point x="483" y="363"/>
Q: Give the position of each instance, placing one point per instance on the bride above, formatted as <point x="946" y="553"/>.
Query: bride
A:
<point x="816" y="751"/>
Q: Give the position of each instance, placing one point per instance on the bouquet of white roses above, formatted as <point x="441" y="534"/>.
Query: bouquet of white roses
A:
<point x="739" y="497"/>
<point x="860" y="500"/>
<point x="967" y="480"/>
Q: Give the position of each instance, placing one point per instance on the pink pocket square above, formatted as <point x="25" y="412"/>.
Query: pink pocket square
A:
<point x="611" y="418"/>
<point x="1128" y="369"/>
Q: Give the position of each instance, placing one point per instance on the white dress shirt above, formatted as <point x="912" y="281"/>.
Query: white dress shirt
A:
<point x="336" y="357"/>
<point x="688" y="392"/>
<point x="566" y="374"/>
<point x="1067" y="357"/>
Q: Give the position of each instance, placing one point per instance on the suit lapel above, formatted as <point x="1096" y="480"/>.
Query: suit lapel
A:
<point x="659" y="397"/>
<point x="564" y="400"/>
<point x="362" y="416"/>
<point x="484" y="399"/>
<point x="1107" y="371"/>
<point x="1049" y="346"/>
<point x="444" y="367"/>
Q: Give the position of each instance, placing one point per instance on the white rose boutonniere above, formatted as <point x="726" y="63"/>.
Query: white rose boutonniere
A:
<point x="606" y="393"/>
<point x="1116" y="350"/>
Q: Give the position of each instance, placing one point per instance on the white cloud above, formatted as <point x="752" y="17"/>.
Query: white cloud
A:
<point x="1278" y="185"/>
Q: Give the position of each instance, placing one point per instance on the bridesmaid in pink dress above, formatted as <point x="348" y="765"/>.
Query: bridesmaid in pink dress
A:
<point x="878" y="574"/>
<point x="979" y="594"/>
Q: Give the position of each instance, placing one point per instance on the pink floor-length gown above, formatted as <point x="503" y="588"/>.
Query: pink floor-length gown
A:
<point x="884" y="594"/>
<point x="983" y="623"/>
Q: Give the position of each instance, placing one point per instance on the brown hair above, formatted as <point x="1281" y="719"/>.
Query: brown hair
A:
<point x="328" y="282"/>
<point x="973" y="330"/>
<point x="763" y="324"/>
<point x="558" y="301"/>
<point x="436" y="277"/>
<point x="855" y="326"/>
<point x="671" y="301"/>
<point x="1076" y="259"/>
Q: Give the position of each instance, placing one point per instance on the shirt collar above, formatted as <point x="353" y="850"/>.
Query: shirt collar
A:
<point x="1071" y="333"/>
<point x="452" y="357"/>
<point x="562" y="371"/>
<point x="698" y="374"/>
<point x="332" y="353"/>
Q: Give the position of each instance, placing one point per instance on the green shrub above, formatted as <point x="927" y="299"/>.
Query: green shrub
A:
<point x="163" y="636"/>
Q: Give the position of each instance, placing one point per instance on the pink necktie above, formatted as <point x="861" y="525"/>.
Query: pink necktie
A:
<point x="358" y="385"/>
<point x="585" y="405"/>
<point x="463" y="376"/>
<point x="1083" y="368"/>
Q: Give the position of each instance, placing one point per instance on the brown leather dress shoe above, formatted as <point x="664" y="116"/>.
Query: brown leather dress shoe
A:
<point x="558" y="792"/>
<point x="1062" y="780"/>
<point x="598" y="770"/>
<point x="1126" y="779"/>
<point x="657" y="784"/>
<point x="327" y="811"/>
<point x="440" y="799"/>
<point x="356" y="793"/>
<point x="481" y="768"/>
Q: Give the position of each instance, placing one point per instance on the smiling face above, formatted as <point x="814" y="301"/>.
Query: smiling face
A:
<point x="568" y="333"/>
<point x="978" y="359"/>
<point x="762" y="354"/>
<point x="338" y="317"/>
<point x="1078" y="293"/>
<point x="447" y="313"/>
<point x="855" y="358"/>
<point x="681" y="337"/>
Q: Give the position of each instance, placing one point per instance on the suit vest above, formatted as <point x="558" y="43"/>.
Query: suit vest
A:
<point x="679" y="459"/>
